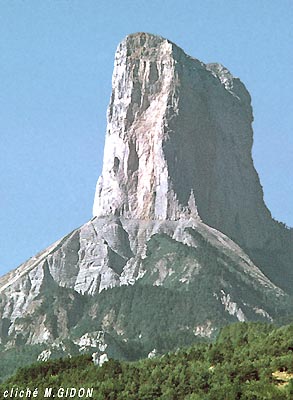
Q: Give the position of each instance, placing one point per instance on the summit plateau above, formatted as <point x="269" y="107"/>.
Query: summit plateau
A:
<point x="181" y="241"/>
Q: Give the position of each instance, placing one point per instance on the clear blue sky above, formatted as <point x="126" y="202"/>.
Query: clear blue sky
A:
<point x="56" y="59"/>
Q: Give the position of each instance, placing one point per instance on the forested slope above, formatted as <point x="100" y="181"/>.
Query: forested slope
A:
<point x="247" y="361"/>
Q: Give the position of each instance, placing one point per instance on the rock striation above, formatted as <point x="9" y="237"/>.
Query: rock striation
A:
<point x="178" y="206"/>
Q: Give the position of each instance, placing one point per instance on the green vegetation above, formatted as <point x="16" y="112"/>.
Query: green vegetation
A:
<point x="136" y="319"/>
<point x="20" y="356"/>
<point x="248" y="361"/>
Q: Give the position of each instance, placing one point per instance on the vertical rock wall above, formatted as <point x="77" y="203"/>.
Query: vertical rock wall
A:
<point x="178" y="143"/>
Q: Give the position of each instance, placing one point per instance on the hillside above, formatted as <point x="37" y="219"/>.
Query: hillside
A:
<point x="247" y="361"/>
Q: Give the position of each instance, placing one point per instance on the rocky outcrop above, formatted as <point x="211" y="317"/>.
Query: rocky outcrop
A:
<point x="178" y="204"/>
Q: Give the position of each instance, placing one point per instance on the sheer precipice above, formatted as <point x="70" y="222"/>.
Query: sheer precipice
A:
<point x="178" y="143"/>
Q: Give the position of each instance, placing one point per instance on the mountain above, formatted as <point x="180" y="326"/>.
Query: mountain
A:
<point x="181" y="242"/>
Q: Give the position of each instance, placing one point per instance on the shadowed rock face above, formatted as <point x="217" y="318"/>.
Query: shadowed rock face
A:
<point x="177" y="191"/>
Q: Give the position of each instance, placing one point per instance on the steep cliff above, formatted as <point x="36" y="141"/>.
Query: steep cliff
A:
<point x="178" y="144"/>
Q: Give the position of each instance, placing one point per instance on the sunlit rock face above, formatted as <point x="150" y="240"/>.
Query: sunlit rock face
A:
<point x="136" y="181"/>
<point x="178" y="143"/>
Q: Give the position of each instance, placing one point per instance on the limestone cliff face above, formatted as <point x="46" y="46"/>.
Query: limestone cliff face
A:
<point x="178" y="143"/>
<point x="135" y="180"/>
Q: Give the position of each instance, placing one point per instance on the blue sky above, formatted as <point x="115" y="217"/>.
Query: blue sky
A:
<point x="56" y="60"/>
